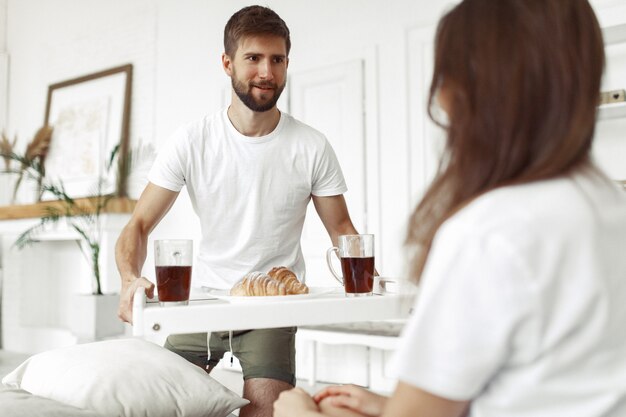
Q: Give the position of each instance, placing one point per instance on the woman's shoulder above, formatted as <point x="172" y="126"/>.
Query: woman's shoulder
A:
<point x="539" y="207"/>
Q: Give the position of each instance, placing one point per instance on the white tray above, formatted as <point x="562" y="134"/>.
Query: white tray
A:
<point x="314" y="292"/>
<point x="151" y="320"/>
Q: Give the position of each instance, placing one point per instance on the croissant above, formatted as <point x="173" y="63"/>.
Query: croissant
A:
<point x="289" y="279"/>
<point x="258" y="284"/>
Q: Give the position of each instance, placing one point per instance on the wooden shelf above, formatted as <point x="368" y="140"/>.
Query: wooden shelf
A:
<point x="27" y="211"/>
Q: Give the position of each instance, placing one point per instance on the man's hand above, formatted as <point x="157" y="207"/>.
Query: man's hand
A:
<point x="125" y="309"/>
<point x="352" y="397"/>
<point x="132" y="245"/>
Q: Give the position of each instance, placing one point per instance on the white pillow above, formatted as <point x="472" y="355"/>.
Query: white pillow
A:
<point x="125" y="377"/>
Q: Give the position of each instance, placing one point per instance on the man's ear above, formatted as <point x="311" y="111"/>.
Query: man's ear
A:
<point x="227" y="64"/>
<point x="287" y="62"/>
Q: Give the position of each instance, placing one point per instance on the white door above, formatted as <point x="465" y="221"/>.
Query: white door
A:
<point x="331" y="100"/>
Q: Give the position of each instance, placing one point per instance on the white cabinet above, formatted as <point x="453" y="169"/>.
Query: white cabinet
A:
<point x="612" y="111"/>
<point x="40" y="283"/>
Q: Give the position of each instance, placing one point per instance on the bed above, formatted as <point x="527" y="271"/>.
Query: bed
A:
<point x="15" y="402"/>
<point x="123" y="377"/>
<point x="136" y="377"/>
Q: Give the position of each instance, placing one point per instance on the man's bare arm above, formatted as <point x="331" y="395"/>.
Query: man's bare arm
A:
<point x="132" y="245"/>
<point x="334" y="215"/>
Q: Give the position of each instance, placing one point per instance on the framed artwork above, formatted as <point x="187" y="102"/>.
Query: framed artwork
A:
<point x="90" y="116"/>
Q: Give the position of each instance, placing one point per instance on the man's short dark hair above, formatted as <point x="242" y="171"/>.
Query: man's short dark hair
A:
<point x="254" y="20"/>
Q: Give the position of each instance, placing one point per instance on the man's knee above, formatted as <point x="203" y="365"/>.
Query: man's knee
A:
<point x="185" y="348"/>
<point x="268" y="354"/>
<point x="262" y="392"/>
<point x="265" y="388"/>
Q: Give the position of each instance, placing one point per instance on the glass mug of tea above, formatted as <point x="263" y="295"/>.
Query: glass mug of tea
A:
<point x="356" y="254"/>
<point x="173" y="260"/>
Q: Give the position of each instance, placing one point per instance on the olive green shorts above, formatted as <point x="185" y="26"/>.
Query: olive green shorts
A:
<point x="262" y="353"/>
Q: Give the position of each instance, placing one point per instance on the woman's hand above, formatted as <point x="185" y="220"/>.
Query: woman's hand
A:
<point x="294" y="402"/>
<point x="354" y="398"/>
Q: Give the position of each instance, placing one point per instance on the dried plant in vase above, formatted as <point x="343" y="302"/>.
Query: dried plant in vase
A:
<point x="6" y="149"/>
<point x="31" y="163"/>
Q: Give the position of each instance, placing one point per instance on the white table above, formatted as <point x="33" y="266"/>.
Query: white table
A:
<point x="151" y="320"/>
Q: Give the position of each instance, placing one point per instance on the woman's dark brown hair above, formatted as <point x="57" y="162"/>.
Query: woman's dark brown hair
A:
<point x="522" y="78"/>
<point x="254" y="20"/>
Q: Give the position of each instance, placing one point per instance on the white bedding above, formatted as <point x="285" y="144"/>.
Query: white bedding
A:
<point x="122" y="378"/>
<point x="15" y="402"/>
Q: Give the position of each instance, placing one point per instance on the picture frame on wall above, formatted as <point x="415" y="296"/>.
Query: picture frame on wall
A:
<point x="90" y="117"/>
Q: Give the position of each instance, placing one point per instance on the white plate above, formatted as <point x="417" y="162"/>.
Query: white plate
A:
<point x="313" y="293"/>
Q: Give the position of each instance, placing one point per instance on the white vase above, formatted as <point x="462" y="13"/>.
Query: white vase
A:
<point x="94" y="317"/>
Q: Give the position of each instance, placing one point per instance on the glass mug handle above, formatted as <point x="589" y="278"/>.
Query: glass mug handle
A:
<point x="330" y="265"/>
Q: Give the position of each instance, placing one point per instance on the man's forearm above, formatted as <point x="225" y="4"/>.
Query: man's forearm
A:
<point x="345" y="228"/>
<point x="130" y="252"/>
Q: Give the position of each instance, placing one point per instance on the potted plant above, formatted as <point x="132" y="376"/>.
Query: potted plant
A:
<point x="97" y="316"/>
<point x="84" y="217"/>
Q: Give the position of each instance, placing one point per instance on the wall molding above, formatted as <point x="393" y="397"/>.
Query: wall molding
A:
<point x="4" y="91"/>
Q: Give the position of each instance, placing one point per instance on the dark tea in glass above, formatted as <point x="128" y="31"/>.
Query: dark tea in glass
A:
<point x="356" y="254"/>
<point x="172" y="261"/>
<point x="173" y="282"/>
<point x="358" y="274"/>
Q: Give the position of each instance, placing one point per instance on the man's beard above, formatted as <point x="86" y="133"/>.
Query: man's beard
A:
<point x="245" y="94"/>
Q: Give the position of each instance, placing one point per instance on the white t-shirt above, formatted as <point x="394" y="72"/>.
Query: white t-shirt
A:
<point x="250" y="193"/>
<point x="522" y="305"/>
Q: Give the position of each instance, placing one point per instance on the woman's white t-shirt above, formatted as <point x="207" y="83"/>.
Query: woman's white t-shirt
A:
<point x="522" y="306"/>
<point x="250" y="193"/>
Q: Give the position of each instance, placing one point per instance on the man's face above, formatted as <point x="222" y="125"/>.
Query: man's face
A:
<point x="259" y="71"/>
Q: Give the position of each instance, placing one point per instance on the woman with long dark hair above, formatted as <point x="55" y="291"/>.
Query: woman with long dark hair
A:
<point x="519" y="244"/>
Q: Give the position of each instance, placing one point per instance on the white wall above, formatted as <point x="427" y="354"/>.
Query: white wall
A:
<point x="3" y="24"/>
<point x="190" y="79"/>
<point x="175" y="48"/>
<point x="3" y="64"/>
<point x="609" y="149"/>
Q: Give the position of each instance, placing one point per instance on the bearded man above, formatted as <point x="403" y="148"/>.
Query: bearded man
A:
<point x="250" y="171"/>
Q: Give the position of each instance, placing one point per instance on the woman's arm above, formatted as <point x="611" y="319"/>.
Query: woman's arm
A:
<point x="351" y="397"/>
<point x="410" y="401"/>
<point x="297" y="402"/>
<point x="406" y="401"/>
<point x="353" y="401"/>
